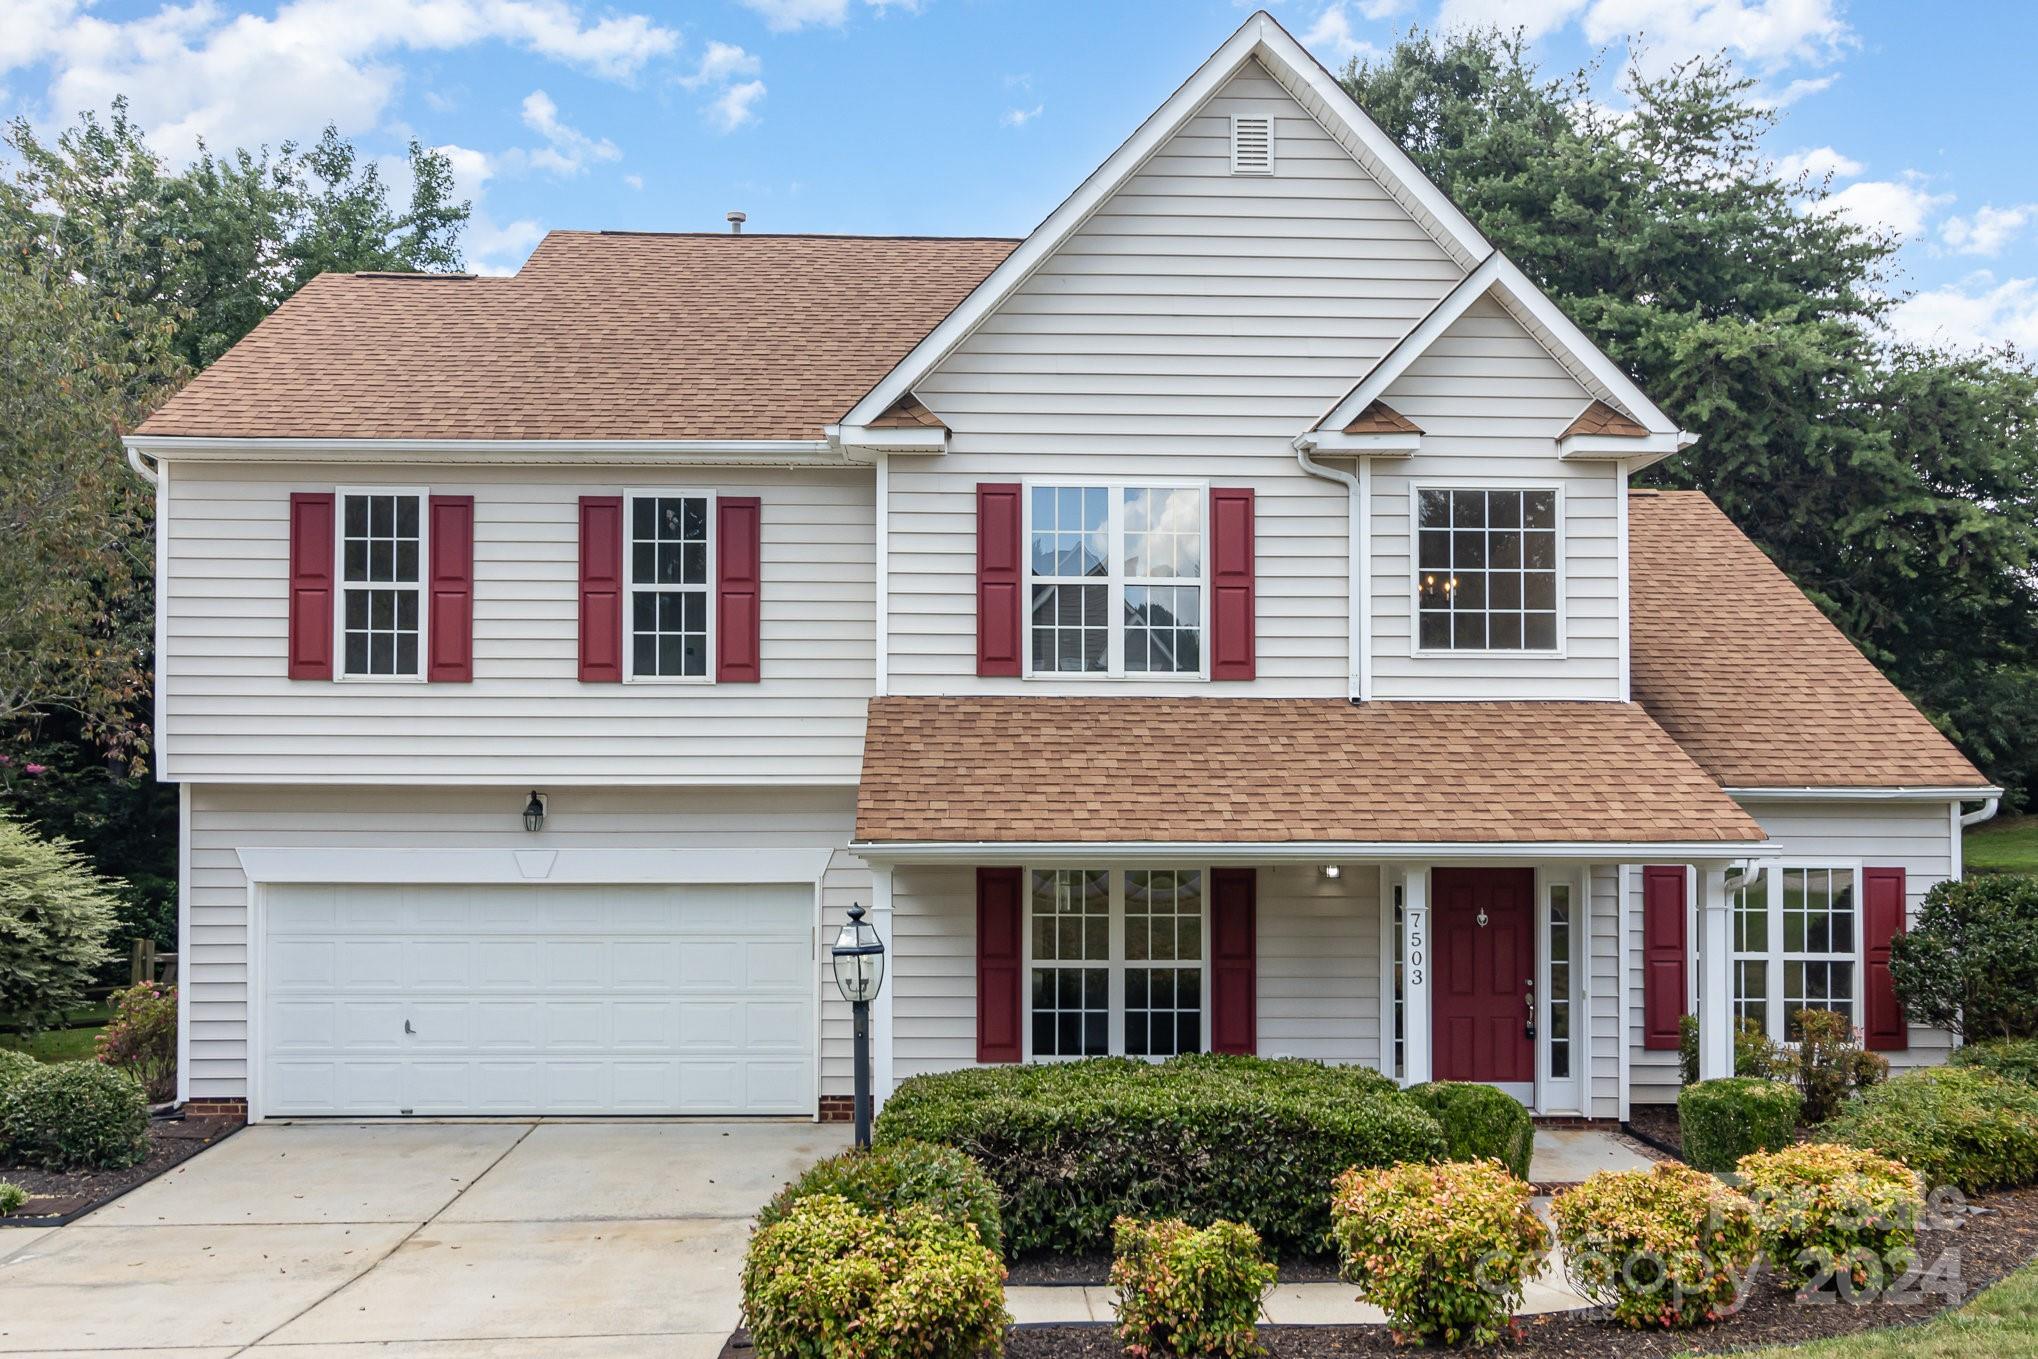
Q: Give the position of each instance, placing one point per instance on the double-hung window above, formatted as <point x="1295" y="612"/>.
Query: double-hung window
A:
<point x="1796" y="937"/>
<point x="1117" y="579"/>
<point x="1115" y="962"/>
<point x="1486" y="570"/>
<point x="382" y="554"/>
<point x="670" y="567"/>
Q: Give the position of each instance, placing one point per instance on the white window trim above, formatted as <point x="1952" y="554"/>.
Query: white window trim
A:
<point x="1116" y="581"/>
<point x="340" y="583"/>
<point x="1416" y="649"/>
<point x="1775" y="1021"/>
<point x="1115" y="965"/>
<point x="630" y="499"/>
<point x="1567" y="1094"/>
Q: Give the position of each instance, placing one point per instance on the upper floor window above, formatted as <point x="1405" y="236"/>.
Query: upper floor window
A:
<point x="381" y="554"/>
<point x="1486" y="570"/>
<point x="670" y="560"/>
<point x="1117" y="577"/>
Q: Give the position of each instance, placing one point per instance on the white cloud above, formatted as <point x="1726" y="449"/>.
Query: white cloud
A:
<point x="1818" y="163"/>
<point x="1533" y="17"/>
<point x="1899" y="206"/>
<point x="1331" y="36"/>
<point x="721" y="63"/>
<point x="736" y="106"/>
<point x="634" y="181"/>
<point x="1988" y="231"/>
<point x="1798" y="89"/>
<point x="567" y="150"/>
<point x="494" y="248"/>
<point x="1021" y="117"/>
<point x="1764" y="34"/>
<point x="1977" y="311"/>
<point x="785" y="16"/>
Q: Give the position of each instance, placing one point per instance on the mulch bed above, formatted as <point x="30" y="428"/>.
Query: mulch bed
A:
<point x="1981" y="1249"/>
<point x="1095" y="1270"/>
<point x="58" y="1196"/>
<point x="1656" y="1125"/>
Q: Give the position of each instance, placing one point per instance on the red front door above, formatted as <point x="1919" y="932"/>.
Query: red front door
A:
<point x="1484" y="925"/>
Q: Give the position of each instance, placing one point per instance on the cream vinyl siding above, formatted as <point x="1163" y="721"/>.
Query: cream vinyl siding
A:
<point x="1491" y="402"/>
<point x="231" y="712"/>
<point x="1914" y="836"/>
<point x="1603" y="1016"/>
<point x="1189" y="330"/>
<point x="228" y="818"/>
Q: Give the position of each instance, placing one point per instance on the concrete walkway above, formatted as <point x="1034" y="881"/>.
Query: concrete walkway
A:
<point x="415" y="1241"/>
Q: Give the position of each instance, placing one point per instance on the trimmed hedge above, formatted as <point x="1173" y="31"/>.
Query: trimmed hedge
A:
<point x="1188" y="1291"/>
<point x="1662" y="1248"/>
<point x="1479" y="1123"/>
<point x="900" y="1176"/>
<point x="74" y="1116"/>
<point x="1725" y="1119"/>
<point x="13" y="1066"/>
<point x="1828" y="1211"/>
<point x="1953" y="1125"/>
<point x="2013" y="1059"/>
<point x="1073" y="1146"/>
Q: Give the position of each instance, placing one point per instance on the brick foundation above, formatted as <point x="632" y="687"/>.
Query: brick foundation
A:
<point x="838" y="1108"/>
<point x="217" y="1108"/>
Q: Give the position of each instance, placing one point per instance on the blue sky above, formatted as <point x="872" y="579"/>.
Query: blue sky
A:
<point x="977" y="116"/>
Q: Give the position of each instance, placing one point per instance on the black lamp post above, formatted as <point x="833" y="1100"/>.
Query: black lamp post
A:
<point x="859" y="972"/>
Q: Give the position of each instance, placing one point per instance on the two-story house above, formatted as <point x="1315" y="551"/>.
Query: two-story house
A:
<point x="1219" y="620"/>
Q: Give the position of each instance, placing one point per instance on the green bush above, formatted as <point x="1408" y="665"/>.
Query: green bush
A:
<point x="1073" y="1146"/>
<point x="1479" y="1122"/>
<point x="2013" y="1059"/>
<point x="12" y="1196"/>
<point x="1953" y="1125"/>
<point x="831" y="1281"/>
<point x="1724" y="1120"/>
<point x="1444" y="1250"/>
<point x="13" y="1066"/>
<point x="1828" y="1211"/>
<point x="1665" y="1247"/>
<point x="1969" y="964"/>
<point x="141" y="1037"/>
<point x="55" y="915"/>
<point x="75" y="1116"/>
<point x="1186" y="1290"/>
<point x="1830" y="1063"/>
<point x="1756" y="1054"/>
<point x="902" y="1175"/>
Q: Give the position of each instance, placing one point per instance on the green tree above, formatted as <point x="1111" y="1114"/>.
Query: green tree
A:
<point x="55" y="916"/>
<point x="1896" y="485"/>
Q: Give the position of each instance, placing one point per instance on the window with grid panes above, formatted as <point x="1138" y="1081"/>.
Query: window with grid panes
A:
<point x="1115" y="961"/>
<point x="1486" y="570"/>
<point x="670" y="575"/>
<point x="381" y="607"/>
<point x="1117" y="580"/>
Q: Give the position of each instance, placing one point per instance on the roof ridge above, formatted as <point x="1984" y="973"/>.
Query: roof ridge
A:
<point x="785" y="235"/>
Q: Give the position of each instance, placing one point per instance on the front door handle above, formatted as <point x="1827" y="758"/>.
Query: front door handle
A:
<point x="1529" y="998"/>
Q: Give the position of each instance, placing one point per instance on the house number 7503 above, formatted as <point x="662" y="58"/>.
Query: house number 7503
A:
<point x="1416" y="944"/>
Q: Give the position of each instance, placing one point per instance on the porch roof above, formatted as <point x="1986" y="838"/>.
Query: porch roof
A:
<point x="1266" y="771"/>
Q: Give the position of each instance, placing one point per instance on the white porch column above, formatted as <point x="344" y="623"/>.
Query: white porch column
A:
<point x="881" y="1008"/>
<point x="1715" y="986"/>
<point x="1416" y="966"/>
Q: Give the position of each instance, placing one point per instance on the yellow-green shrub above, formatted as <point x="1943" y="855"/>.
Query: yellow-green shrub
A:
<point x="1827" y="1210"/>
<point x="1953" y="1125"/>
<point x="1188" y="1291"/>
<point x="831" y="1281"/>
<point x="1444" y="1250"/>
<point x="1663" y="1247"/>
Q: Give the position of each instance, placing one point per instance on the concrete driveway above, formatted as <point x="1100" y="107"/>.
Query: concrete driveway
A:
<point x="436" y="1240"/>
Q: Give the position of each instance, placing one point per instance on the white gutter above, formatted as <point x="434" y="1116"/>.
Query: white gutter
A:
<point x="1894" y="794"/>
<point x="1358" y="537"/>
<point x="134" y="460"/>
<point x="1308" y="851"/>
<point x="772" y="452"/>
<point x="1983" y="812"/>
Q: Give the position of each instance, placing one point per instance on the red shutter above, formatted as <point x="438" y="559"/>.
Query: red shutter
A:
<point x="1000" y="558"/>
<point x="1663" y="955"/>
<point x="311" y="585"/>
<point x="1233" y="592"/>
<point x="601" y="588"/>
<point x="1000" y="925"/>
<point x="449" y="630"/>
<point x="1882" y="915"/>
<point x="738" y="573"/>
<point x="1234" y="954"/>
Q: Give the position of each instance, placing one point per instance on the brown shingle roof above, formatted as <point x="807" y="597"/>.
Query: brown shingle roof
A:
<point x="908" y="413"/>
<point x="1751" y="678"/>
<point x="598" y="336"/>
<point x="1381" y="418"/>
<point x="1264" y="770"/>
<point x="1600" y="418"/>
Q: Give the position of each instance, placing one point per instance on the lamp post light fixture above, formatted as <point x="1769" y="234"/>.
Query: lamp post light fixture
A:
<point x="859" y="972"/>
<point x="534" y="812"/>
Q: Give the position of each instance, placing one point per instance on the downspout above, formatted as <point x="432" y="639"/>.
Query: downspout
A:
<point x="1358" y="614"/>
<point x="1981" y="813"/>
<point x="141" y="469"/>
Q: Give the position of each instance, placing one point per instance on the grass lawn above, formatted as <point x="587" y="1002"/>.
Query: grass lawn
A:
<point x="2008" y="844"/>
<point x="62" y="1045"/>
<point x="2000" y="1324"/>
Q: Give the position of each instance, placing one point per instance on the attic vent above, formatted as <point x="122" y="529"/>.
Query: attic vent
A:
<point x="1252" y="146"/>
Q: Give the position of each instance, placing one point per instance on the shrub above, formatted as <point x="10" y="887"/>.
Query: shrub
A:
<point x="1724" y="1120"/>
<point x="13" y="1066"/>
<point x="12" y="1196"/>
<point x="1664" y="1247"/>
<point x="73" y="1116"/>
<point x="901" y="1175"/>
<point x="1444" y="1250"/>
<point x="1755" y="1053"/>
<point x="1479" y="1122"/>
<point x="1833" y="1211"/>
<point x="1970" y="962"/>
<point x="1830" y="1062"/>
<point x="829" y="1279"/>
<point x="55" y="914"/>
<point x="2013" y="1059"/>
<point x="141" y="1038"/>
<point x="1953" y="1125"/>
<point x="1185" y="1290"/>
<point x="1073" y="1146"/>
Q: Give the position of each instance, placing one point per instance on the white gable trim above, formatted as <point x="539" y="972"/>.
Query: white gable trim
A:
<point x="1261" y="38"/>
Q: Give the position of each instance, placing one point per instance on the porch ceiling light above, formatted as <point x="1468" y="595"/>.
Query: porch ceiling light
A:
<point x="1332" y="872"/>
<point x="534" y="812"/>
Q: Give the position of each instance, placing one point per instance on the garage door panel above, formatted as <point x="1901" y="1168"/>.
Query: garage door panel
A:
<point x="675" y="999"/>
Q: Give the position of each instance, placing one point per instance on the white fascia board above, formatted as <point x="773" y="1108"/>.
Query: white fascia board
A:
<point x="1327" y="851"/>
<point x="707" y="452"/>
<point x="1291" y="65"/>
<point x="177" y="774"/>
<point x="1397" y="444"/>
<point x="539" y="863"/>
<point x="1919" y="793"/>
<point x="914" y="439"/>
<point x="1575" y="349"/>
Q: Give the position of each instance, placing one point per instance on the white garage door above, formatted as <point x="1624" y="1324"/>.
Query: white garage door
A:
<point x="537" y="1000"/>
